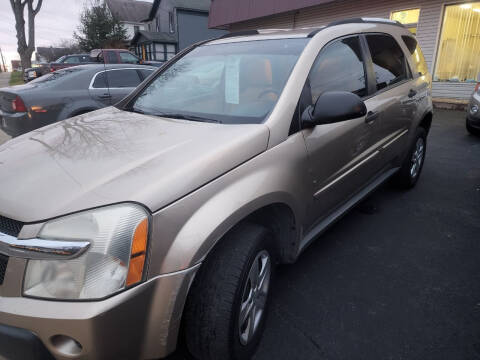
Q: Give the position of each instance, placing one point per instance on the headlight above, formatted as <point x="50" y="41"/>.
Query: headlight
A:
<point x="114" y="260"/>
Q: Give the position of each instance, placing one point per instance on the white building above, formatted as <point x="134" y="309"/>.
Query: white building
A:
<point x="131" y="14"/>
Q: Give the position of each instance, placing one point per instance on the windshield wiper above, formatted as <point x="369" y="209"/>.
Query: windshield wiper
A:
<point x="138" y="111"/>
<point x="187" y="117"/>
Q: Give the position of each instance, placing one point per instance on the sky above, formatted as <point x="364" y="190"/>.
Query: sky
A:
<point x="57" y="20"/>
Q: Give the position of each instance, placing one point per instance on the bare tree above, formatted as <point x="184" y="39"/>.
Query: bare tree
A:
<point x="25" y="50"/>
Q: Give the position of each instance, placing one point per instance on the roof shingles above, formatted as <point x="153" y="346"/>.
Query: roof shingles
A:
<point x="129" y="10"/>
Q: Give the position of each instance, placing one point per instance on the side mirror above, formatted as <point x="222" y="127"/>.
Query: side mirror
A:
<point x="332" y="107"/>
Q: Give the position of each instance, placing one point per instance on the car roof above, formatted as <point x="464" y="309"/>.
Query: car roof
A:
<point x="101" y="66"/>
<point x="266" y="34"/>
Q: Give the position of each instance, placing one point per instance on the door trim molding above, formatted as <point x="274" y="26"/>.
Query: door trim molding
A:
<point x="337" y="214"/>
<point x="346" y="173"/>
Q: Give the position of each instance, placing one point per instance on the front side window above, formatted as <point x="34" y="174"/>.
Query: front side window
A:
<point x="457" y="55"/>
<point x="339" y="67"/>
<point x="128" y="58"/>
<point x="72" y="60"/>
<point x="389" y="63"/>
<point x="409" y="18"/>
<point x="230" y="83"/>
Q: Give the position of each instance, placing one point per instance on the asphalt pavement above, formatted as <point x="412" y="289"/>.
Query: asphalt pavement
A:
<point x="398" y="277"/>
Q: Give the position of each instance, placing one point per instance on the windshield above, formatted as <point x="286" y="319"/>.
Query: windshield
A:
<point x="229" y="83"/>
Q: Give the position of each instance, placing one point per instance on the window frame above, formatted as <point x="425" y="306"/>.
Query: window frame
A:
<point x="364" y="54"/>
<point x="90" y="87"/>
<point x="408" y="69"/>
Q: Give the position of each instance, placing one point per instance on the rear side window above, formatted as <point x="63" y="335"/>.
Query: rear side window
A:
<point x="100" y="81"/>
<point x="117" y="79"/>
<point x="389" y="63"/>
<point x="112" y="57"/>
<point x="123" y="78"/>
<point x="146" y="73"/>
<point x="416" y="54"/>
<point x="339" y="67"/>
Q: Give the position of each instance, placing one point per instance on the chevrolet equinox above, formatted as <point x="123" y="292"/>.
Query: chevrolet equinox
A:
<point x="161" y="219"/>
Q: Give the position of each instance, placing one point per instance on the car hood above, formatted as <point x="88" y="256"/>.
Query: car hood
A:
<point x="110" y="156"/>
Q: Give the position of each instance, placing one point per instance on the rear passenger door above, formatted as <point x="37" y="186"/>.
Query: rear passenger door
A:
<point x="342" y="156"/>
<point x="393" y="96"/>
<point x="111" y="86"/>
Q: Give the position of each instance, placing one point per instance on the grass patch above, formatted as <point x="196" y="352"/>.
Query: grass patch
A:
<point x="16" y="78"/>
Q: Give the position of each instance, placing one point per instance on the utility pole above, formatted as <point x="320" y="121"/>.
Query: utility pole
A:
<point x="3" y="61"/>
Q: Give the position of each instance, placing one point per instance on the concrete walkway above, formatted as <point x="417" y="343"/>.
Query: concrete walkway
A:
<point x="4" y="79"/>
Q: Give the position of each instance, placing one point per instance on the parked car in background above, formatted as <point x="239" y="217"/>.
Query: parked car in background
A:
<point x="107" y="56"/>
<point x="61" y="63"/>
<point x="66" y="93"/>
<point x="473" y="112"/>
<point x="120" y="56"/>
<point x="164" y="216"/>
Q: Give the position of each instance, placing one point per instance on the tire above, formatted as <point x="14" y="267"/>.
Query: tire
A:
<point x="407" y="176"/>
<point x="222" y="285"/>
<point x="472" y="130"/>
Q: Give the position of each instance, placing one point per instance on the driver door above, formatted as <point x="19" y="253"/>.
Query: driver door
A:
<point x="343" y="157"/>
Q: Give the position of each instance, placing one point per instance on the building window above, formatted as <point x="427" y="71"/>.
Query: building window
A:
<point x="171" y="23"/>
<point x="409" y="18"/>
<point x="170" y="51"/>
<point x="457" y="55"/>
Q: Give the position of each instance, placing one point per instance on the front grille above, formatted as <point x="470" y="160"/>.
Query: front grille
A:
<point x="9" y="226"/>
<point x="3" y="267"/>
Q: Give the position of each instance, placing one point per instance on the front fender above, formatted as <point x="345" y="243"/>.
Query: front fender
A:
<point x="184" y="232"/>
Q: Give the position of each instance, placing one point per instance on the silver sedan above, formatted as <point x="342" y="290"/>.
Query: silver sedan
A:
<point x="66" y="93"/>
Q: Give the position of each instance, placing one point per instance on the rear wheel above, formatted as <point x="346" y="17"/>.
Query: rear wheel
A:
<point x="412" y="166"/>
<point x="226" y="308"/>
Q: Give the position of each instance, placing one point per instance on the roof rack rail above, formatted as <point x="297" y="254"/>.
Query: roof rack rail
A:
<point x="315" y="31"/>
<point x="366" y="20"/>
<point x="239" y="33"/>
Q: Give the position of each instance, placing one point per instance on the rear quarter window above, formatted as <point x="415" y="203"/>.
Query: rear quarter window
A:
<point x="416" y="55"/>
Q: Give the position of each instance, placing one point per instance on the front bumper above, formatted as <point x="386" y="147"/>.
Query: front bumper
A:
<point x="17" y="343"/>
<point x="140" y="323"/>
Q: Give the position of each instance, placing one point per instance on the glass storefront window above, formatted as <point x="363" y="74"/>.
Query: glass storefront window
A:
<point x="409" y="18"/>
<point x="457" y="55"/>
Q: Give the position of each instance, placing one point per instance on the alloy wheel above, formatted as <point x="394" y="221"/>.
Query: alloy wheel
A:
<point x="254" y="296"/>
<point x="417" y="158"/>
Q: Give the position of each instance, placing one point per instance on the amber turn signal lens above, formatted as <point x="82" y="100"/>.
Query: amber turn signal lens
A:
<point x="138" y="252"/>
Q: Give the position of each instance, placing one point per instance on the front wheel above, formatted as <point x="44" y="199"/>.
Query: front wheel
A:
<point x="472" y="130"/>
<point x="412" y="166"/>
<point x="227" y="305"/>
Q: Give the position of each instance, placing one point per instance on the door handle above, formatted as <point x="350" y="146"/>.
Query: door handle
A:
<point x="371" y="117"/>
<point x="412" y="93"/>
<point x="105" y="96"/>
